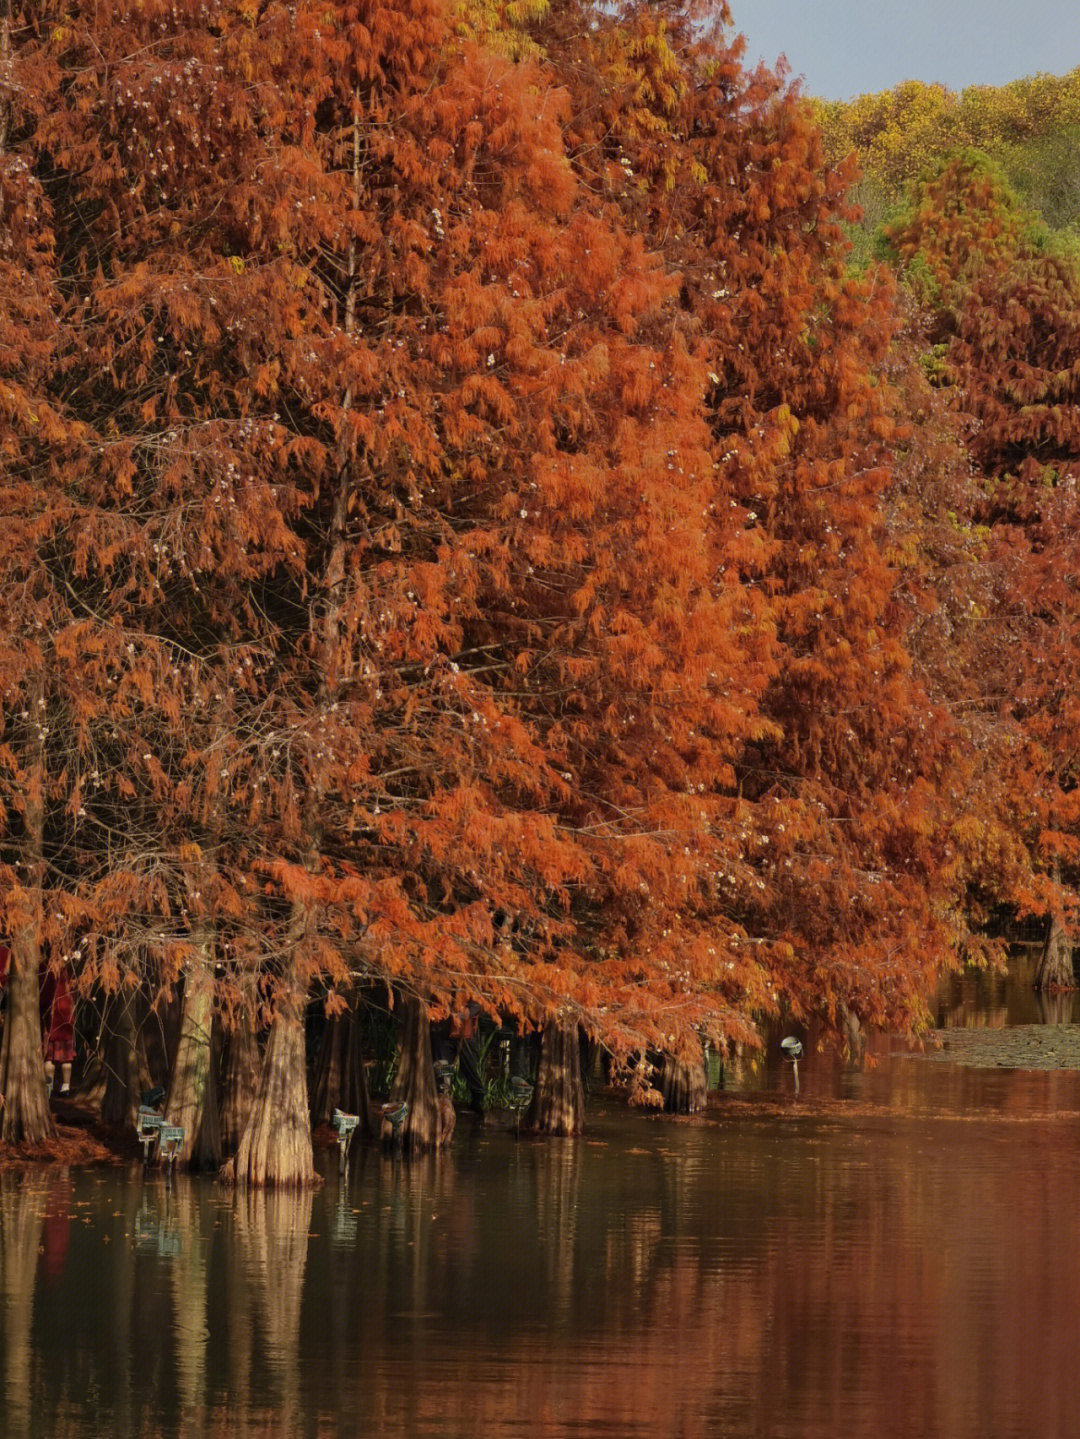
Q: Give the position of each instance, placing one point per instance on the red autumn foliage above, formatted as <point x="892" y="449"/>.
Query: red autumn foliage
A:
<point x="463" y="534"/>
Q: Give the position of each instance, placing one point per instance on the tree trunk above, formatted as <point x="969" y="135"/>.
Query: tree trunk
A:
<point x="23" y="1093"/>
<point x="163" y="1038"/>
<point x="192" y="1101"/>
<point x="275" y="1148"/>
<point x="415" y="1079"/>
<point x="239" y="1082"/>
<point x="330" y="1063"/>
<point x="593" y="1056"/>
<point x="684" y="1084"/>
<point x="93" y="1079"/>
<point x="125" y="1068"/>
<point x="1055" y="969"/>
<point x="558" y="1102"/>
<point x="340" y="1079"/>
<point x="26" y="1113"/>
<point x="854" y="1037"/>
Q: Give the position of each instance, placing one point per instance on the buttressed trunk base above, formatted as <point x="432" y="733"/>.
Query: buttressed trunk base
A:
<point x="558" y="1102"/>
<point x="126" y="1070"/>
<point x="192" y="1102"/>
<point x="275" y="1149"/>
<point x="340" y="1081"/>
<point x="1055" y="971"/>
<point x="240" y="1079"/>
<point x="683" y="1084"/>
<point x="415" y="1079"/>
<point x="25" y="1115"/>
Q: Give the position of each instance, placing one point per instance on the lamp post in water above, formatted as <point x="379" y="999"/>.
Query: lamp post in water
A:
<point x="792" y="1048"/>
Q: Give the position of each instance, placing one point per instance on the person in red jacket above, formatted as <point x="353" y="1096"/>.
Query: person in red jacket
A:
<point x="57" y="1024"/>
<point x="57" y="1015"/>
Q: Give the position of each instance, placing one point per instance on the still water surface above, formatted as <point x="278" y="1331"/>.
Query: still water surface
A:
<point x="896" y="1254"/>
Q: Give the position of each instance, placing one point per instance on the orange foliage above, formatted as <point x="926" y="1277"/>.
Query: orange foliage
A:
<point x="1007" y="321"/>
<point x="470" y="565"/>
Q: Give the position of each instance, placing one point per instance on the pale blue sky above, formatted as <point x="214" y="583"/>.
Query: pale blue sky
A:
<point x="848" y="47"/>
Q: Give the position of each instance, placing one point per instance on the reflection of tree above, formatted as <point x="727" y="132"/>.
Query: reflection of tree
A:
<point x="23" y="1199"/>
<point x="886" y="1272"/>
<point x="271" y="1232"/>
<point x="235" y="1295"/>
<point x="188" y="1276"/>
<point x="118" y="1296"/>
<point x="760" y="1281"/>
<point x="556" y="1218"/>
<point x="978" y="998"/>
<point x="1054" y="1008"/>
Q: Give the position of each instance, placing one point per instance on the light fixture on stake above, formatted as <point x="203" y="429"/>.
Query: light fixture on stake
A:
<point x="792" y="1048"/>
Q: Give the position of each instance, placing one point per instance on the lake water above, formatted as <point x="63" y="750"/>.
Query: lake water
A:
<point x="895" y="1253"/>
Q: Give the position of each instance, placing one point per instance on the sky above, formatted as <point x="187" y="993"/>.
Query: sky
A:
<point x="848" y="47"/>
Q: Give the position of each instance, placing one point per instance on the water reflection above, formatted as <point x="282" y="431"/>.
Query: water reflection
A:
<point x="23" y="1202"/>
<point x="271" y="1244"/>
<point x="896" y="1261"/>
<point x="180" y="1239"/>
<point x="992" y="999"/>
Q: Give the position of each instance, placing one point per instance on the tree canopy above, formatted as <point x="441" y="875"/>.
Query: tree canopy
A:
<point x="468" y="530"/>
